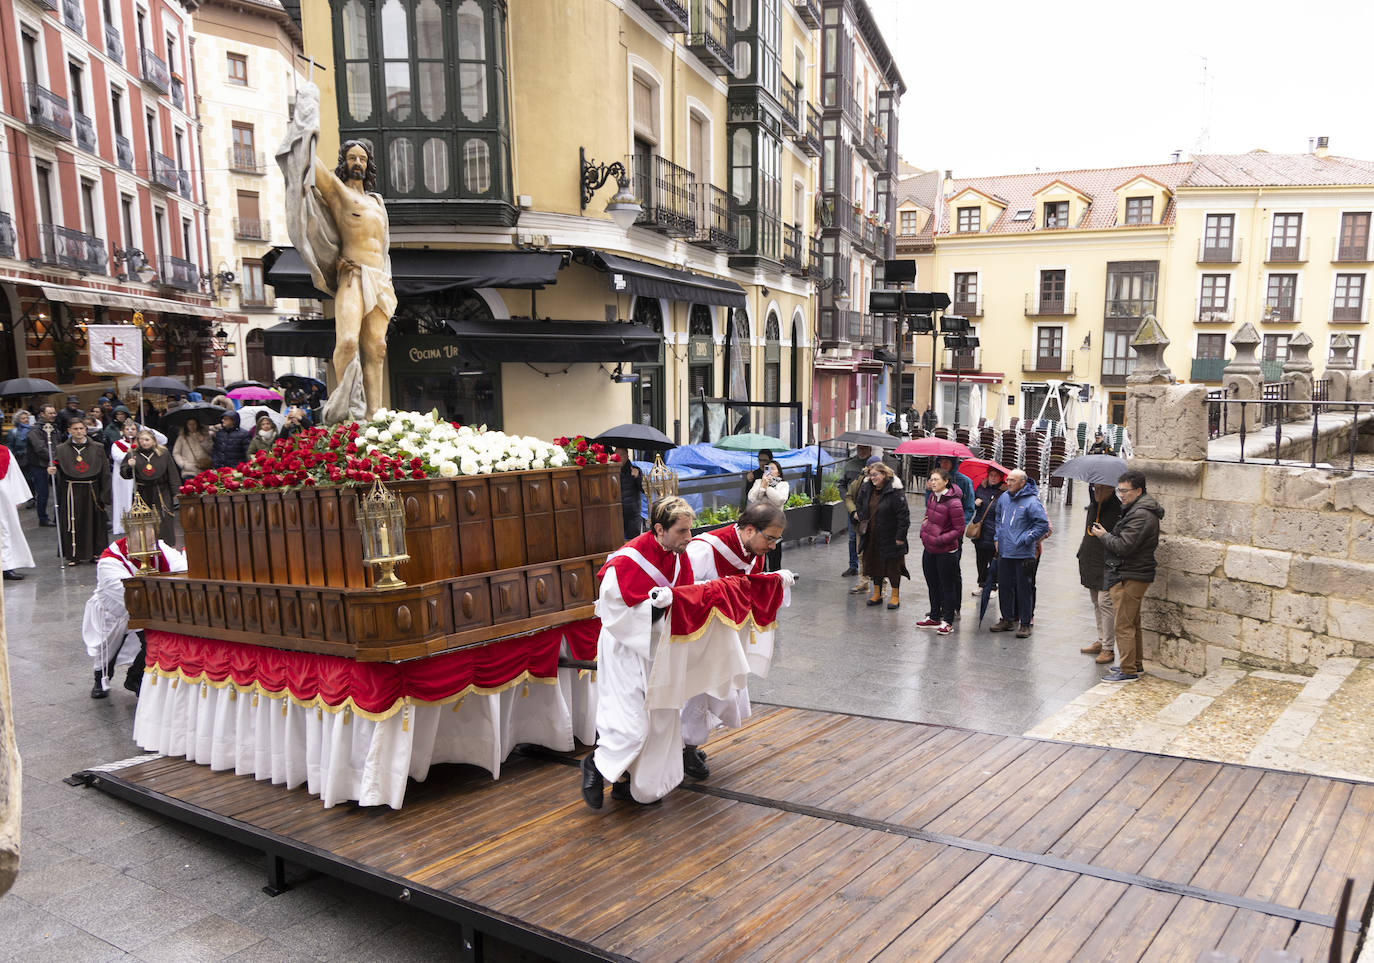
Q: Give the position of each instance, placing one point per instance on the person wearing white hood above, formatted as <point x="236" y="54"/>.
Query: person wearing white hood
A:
<point x="105" y="623"/>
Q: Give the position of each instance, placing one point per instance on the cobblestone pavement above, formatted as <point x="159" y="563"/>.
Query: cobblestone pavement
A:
<point x="101" y="879"/>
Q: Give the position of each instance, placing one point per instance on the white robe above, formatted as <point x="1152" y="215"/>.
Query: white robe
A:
<point x="105" y="623"/>
<point x="14" y="491"/>
<point x="703" y="712"/>
<point x="121" y="489"/>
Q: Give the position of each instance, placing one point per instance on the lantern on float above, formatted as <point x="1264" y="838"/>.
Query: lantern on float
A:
<point x="381" y="517"/>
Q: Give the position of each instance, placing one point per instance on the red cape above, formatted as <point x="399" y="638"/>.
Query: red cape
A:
<point x="635" y="583"/>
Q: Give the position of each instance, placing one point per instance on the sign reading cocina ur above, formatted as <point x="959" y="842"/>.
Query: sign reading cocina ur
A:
<point x="425" y="355"/>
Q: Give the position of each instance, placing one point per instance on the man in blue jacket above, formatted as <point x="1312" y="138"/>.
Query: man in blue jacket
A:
<point x="1021" y="523"/>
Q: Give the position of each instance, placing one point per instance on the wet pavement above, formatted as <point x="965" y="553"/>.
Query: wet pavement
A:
<point x="101" y="879"/>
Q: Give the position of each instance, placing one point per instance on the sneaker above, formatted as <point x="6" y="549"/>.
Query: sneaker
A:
<point x="1116" y="675"/>
<point x="1105" y="657"/>
<point x="1093" y="649"/>
<point x="1023" y="631"/>
<point x="976" y="592"/>
<point x="849" y="571"/>
<point x="944" y="629"/>
<point x="1001" y="625"/>
<point x="927" y="623"/>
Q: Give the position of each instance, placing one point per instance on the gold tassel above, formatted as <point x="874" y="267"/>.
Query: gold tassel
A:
<point x="526" y="690"/>
<point x="204" y="690"/>
<point x="255" y="700"/>
<point x="174" y="683"/>
<point x="319" y="713"/>
<point x="348" y="716"/>
<point x="233" y="694"/>
<point x="283" y="708"/>
<point x="405" y="718"/>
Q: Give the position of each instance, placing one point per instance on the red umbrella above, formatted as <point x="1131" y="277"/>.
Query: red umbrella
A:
<point x="933" y="447"/>
<point x="976" y="469"/>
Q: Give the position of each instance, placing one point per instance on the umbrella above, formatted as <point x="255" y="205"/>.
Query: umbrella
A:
<point x="210" y="391"/>
<point x="27" y="386"/>
<point x="976" y="469"/>
<point x="231" y="386"/>
<point x="1093" y="469"/>
<point x="248" y="416"/>
<point x="251" y="393"/>
<point x="933" y="447"/>
<point x="205" y="414"/>
<point x="164" y="386"/>
<point x="750" y="441"/>
<point x="986" y="594"/>
<point x="643" y="437"/>
<point x="873" y="439"/>
<point x="304" y="382"/>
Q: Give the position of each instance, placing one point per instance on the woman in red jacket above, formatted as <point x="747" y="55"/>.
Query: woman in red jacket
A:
<point x="941" y="530"/>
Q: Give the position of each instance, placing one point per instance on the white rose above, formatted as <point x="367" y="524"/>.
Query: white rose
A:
<point x="384" y="437"/>
<point x="465" y="432"/>
<point x="469" y="466"/>
<point x="558" y="458"/>
<point x="448" y="469"/>
<point x="370" y="434"/>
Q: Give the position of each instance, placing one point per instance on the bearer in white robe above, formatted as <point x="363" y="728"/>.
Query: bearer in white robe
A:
<point x="14" y="491"/>
<point x="105" y="624"/>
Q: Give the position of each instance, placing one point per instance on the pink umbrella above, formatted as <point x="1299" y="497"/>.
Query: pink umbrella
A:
<point x="251" y="393"/>
<point x="929" y="447"/>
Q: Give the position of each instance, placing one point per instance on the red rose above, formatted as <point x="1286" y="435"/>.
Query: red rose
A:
<point x="615" y="457"/>
<point x="560" y="441"/>
<point x="601" y="458"/>
<point x="310" y="483"/>
<point x="417" y="473"/>
<point x="416" y="462"/>
<point x="351" y="448"/>
<point x="581" y="444"/>
<point x="580" y="461"/>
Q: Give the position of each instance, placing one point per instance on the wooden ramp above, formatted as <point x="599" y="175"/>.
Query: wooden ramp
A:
<point x="822" y="836"/>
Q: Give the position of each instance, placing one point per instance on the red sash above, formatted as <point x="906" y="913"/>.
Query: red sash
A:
<point x="119" y="551"/>
<point x="728" y="536"/>
<point x="634" y="580"/>
<point x="4" y="460"/>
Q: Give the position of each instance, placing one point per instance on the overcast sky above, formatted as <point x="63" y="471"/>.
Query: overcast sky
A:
<point x="1070" y="83"/>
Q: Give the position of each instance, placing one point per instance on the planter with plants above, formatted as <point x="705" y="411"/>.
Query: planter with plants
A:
<point x="801" y="518"/>
<point x="709" y="518"/>
<point x="830" y="514"/>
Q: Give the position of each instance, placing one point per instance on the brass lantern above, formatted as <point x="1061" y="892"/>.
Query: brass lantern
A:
<point x="662" y="480"/>
<point x="382" y="520"/>
<point x="140" y="532"/>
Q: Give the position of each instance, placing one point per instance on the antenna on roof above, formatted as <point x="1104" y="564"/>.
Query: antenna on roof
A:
<point x="1205" y="133"/>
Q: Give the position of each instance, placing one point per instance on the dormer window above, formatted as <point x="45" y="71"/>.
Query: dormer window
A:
<point x="970" y="219"/>
<point x="1021" y="216"/>
<point x="1140" y="210"/>
<point x="1056" y="213"/>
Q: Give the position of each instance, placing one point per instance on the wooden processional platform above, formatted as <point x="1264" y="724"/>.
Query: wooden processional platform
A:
<point x="822" y="836"/>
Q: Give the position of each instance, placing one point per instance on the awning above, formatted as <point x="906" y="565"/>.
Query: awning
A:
<point x="885" y="356"/>
<point x="830" y="364"/>
<point x="132" y="302"/>
<point x="870" y="366"/>
<point x="313" y="338"/>
<point x="493" y="342"/>
<point x="978" y="378"/>
<point x="654" y="281"/>
<point x="416" y="272"/>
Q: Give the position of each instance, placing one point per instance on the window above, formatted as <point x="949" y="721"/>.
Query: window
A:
<point x="645" y="108"/>
<point x="242" y="151"/>
<point x="1348" y="304"/>
<point x="249" y="224"/>
<point x="965" y="294"/>
<point x="907" y="224"/>
<point x="1354" y="240"/>
<point x="89" y="225"/>
<point x="1131" y="289"/>
<point x="1215" y="300"/>
<point x="1211" y="346"/>
<point x="238" y="68"/>
<point x="1021" y="216"/>
<point x="1049" y="348"/>
<point x="1287" y="236"/>
<point x="117" y="111"/>
<point x="1280" y="298"/>
<point x="698" y="147"/>
<point x="252" y="293"/>
<point x="968" y="219"/>
<point x="1275" y="348"/>
<point x="701" y="353"/>
<point x="43" y="173"/>
<point x="1140" y="210"/>
<point x="1053" y="285"/>
<point x="126" y="220"/>
<point x="1217" y="236"/>
<point x="1057" y="214"/>
<point x="1118" y="357"/>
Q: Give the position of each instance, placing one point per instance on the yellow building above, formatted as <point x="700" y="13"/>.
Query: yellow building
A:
<point x="501" y="131"/>
<point x="1055" y="271"/>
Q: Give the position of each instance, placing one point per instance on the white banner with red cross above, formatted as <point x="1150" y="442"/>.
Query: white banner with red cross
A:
<point x="115" y="349"/>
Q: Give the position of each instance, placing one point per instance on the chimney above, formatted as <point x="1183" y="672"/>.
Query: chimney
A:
<point x="1323" y="147"/>
<point x="949" y="183"/>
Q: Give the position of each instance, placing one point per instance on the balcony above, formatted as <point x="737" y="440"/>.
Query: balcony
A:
<point x="711" y="37"/>
<point x="810" y="12"/>
<point x="668" y="14"/>
<point x="245" y="160"/>
<point x="252" y="229"/>
<point x="114" y="45"/>
<point x="71" y="249"/>
<point x="963" y="359"/>
<point x="179" y="274"/>
<point x="852" y="323"/>
<point x="870" y="142"/>
<point x="843" y="101"/>
<point x="1283" y="253"/>
<point x="85" y="132"/>
<point x="666" y="192"/>
<point x="815" y="260"/>
<point x="1033" y="361"/>
<point x="717" y="219"/>
<point x="184" y="184"/>
<point x="1212" y="311"/>
<point x="7" y="235"/>
<point x="165" y="172"/>
<point x="1040" y="305"/>
<point x="73" y="16"/>
<point x="48" y="4"/>
<point x="178" y="94"/>
<point x="1228" y="252"/>
<point x="154" y="71"/>
<point x="124" y="152"/>
<point x="1281" y="311"/>
<point x="1347" y="252"/>
<point x="1207" y="369"/>
<point x="1345" y="312"/>
<point x="967" y="307"/>
<point x="791" y="120"/>
<point x="1130" y="307"/>
<point x="808" y="135"/>
<point x="792" y="248"/>
<point x="48" y="112"/>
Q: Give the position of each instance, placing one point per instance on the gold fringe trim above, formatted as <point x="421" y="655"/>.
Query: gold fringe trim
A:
<point x="348" y="707"/>
<point x="716" y="616"/>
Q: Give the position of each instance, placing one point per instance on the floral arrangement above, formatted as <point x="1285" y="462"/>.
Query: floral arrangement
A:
<point x="392" y="446"/>
<point x="581" y="452"/>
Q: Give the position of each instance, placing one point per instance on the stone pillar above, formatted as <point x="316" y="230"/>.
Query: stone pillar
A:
<point x="1297" y="372"/>
<point x="1168" y="421"/>
<point x="1339" y="368"/>
<point x="10" y="774"/>
<point x="1241" y="379"/>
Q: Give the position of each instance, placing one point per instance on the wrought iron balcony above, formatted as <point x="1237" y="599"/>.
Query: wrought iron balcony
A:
<point x="165" y="172"/>
<point x="870" y="142"/>
<point x="252" y="228"/>
<point x="1351" y="252"/>
<point x="967" y="306"/>
<point x="791" y="120"/>
<point x="114" y="44"/>
<point x="792" y="248"/>
<point x="717" y="219"/>
<point x="712" y="37"/>
<point x="85" y="132"/>
<point x="154" y="70"/>
<point x="68" y="248"/>
<point x="178" y="94"/>
<point x="1224" y="252"/>
<point x="1351" y="310"/>
<point x="1214" y="310"/>
<point x="180" y="274"/>
<point x="47" y="111"/>
<point x="73" y="16"/>
<point x="1042" y="304"/>
<point x="810" y="12"/>
<point x="48" y="4"/>
<point x="815" y="260"/>
<point x="1282" y="310"/>
<point x="1043" y="362"/>
<point x="810" y="141"/>
<point x="7" y="235"/>
<point x="124" y="152"/>
<point x="184" y="184"/>
<point x="244" y="160"/>
<point x="666" y="192"/>
<point x="1281" y="252"/>
<point x="963" y="359"/>
<point x="671" y="15"/>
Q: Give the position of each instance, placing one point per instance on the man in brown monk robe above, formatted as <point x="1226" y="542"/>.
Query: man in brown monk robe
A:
<point x="82" y="472"/>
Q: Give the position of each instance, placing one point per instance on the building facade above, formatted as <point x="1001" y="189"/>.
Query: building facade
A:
<point x="501" y="132"/>
<point x="102" y="203"/>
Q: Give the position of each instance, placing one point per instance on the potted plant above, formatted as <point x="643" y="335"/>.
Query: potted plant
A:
<point x="801" y="517"/>
<point x="830" y="514"/>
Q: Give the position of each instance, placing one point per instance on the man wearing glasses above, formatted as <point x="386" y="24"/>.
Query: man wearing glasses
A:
<point x="1130" y="568"/>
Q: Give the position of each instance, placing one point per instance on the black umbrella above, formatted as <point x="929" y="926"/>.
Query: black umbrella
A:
<point x="205" y="414"/>
<point x="304" y="382"/>
<point x="236" y="385"/>
<point x="985" y="595"/>
<point x="164" y="386"/>
<point x="1093" y="469"/>
<point x="873" y="439"/>
<point x="643" y="437"/>
<point x="210" y="391"/>
<point x="27" y="386"/>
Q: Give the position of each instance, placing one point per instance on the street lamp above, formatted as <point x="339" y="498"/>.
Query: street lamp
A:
<point x="624" y="207"/>
<point x="136" y="265"/>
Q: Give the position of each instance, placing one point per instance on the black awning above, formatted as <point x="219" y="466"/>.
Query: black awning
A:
<point x="419" y="272"/>
<point x="300" y="339"/>
<point x="655" y="281"/>
<point x="493" y="342"/>
<point x="885" y="356"/>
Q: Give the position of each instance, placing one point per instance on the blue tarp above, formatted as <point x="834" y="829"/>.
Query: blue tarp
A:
<point x="703" y="460"/>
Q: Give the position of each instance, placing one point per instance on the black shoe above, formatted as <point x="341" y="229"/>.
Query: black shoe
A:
<point x="98" y="690"/>
<point x="12" y="576"/>
<point x="1001" y="625"/>
<point x="694" y="762"/>
<point x="44" y="523"/>
<point x="849" y="571"/>
<point x="593" y="784"/>
<point x="621" y="791"/>
<point x="134" y="683"/>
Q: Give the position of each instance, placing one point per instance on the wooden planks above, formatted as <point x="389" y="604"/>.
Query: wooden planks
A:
<point x="826" y="836"/>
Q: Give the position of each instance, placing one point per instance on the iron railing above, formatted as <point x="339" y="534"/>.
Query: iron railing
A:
<point x="184" y="184"/>
<point x="1228" y="253"/>
<point x="717" y="218"/>
<point x="1321" y="389"/>
<point x="114" y="44"/>
<point x="85" y="132"/>
<point x="165" y="172"/>
<point x="712" y="37"/>
<point x="124" y="152"/>
<point x="792" y="247"/>
<point x="47" y="111"/>
<point x="72" y="249"/>
<point x="73" y="16"/>
<point x="815" y="260"/>
<point x="791" y="110"/>
<point x="245" y="160"/>
<point x="178" y="94"/>
<point x="1361" y="413"/>
<point x="1357" y="253"/>
<point x="810" y="12"/>
<point x="252" y="228"/>
<point x="968" y="307"/>
<point x="1212" y="311"/>
<point x="1280" y="253"/>
<point x="671" y="15"/>
<point x="1036" y="361"/>
<point x="7" y="235"/>
<point x="666" y="192"/>
<point x="154" y="70"/>
<point x="811" y="142"/>
<point x="1273" y="393"/>
<point x="1038" y="304"/>
<point x="180" y="274"/>
<point x="1343" y="310"/>
<point x="1207" y="369"/>
<point x="1281" y="309"/>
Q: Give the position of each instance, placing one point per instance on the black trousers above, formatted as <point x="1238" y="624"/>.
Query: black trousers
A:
<point x="1016" y="589"/>
<point x="941" y="570"/>
<point x="983" y="556"/>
